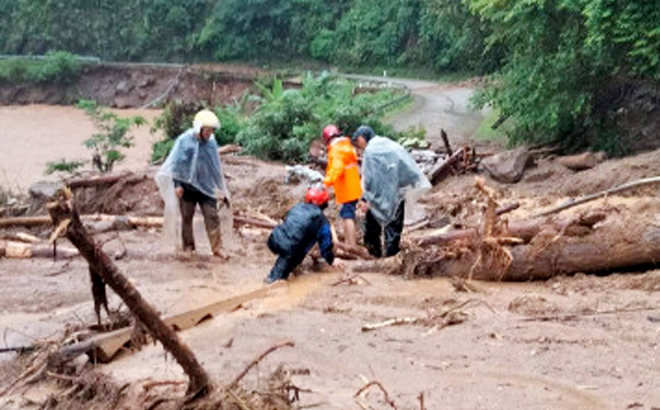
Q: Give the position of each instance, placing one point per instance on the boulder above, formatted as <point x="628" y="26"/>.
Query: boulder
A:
<point x="583" y="161"/>
<point x="42" y="192"/>
<point x="508" y="166"/>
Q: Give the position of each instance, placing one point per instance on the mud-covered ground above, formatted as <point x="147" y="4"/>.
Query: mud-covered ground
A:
<point x="573" y="342"/>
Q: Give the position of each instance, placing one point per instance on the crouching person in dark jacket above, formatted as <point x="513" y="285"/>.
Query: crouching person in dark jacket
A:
<point x="303" y="226"/>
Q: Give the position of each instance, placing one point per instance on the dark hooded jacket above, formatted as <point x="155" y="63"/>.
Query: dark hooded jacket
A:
<point x="303" y="226"/>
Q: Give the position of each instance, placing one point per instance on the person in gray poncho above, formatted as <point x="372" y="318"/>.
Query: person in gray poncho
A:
<point x="192" y="175"/>
<point x="389" y="176"/>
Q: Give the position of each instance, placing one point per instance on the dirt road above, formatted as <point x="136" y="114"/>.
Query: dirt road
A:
<point x="436" y="106"/>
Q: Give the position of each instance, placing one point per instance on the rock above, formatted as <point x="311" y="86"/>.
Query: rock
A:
<point x="539" y="176"/>
<point x="508" y="166"/>
<point x="146" y="82"/>
<point x="45" y="189"/>
<point x="301" y="173"/>
<point x="123" y="102"/>
<point x="123" y="87"/>
<point x="583" y="161"/>
<point x="42" y="192"/>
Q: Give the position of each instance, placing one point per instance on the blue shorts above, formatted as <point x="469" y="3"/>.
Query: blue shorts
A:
<point x="347" y="210"/>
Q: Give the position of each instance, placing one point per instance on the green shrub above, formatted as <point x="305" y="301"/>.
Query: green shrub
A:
<point x="68" y="167"/>
<point x="568" y="65"/>
<point x="177" y="117"/>
<point x="283" y="123"/>
<point x="112" y="135"/>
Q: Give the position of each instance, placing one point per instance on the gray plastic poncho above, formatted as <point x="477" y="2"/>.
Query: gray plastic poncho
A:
<point x="194" y="162"/>
<point x="389" y="176"/>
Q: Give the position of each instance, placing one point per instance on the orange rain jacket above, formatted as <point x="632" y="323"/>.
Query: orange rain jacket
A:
<point x="342" y="172"/>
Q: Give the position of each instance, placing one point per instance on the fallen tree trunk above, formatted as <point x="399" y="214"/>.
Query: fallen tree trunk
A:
<point x="229" y="149"/>
<point x="141" y="309"/>
<point x="25" y="221"/>
<point x="103" y="180"/>
<point x="244" y="220"/>
<point x="117" y="221"/>
<point x="440" y="170"/>
<point x="583" y="161"/>
<point x="21" y="237"/>
<point x="20" y="250"/>
<point x="524" y="230"/>
<point x="555" y="249"/>
<point x="131" y="222"/>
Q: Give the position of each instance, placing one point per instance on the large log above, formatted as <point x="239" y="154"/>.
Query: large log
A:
<point x="118" y="221"/>
<point x="130" y="222"/>
<point x="104" y="180"/>
<point x="140" y="308"/>
<point x="583" y="161"/>
<point x="24" y="221"/>
<point x="524" y="230"/>
<point x="229" y="149"/>
<point x="556" y="249"/>
<point x="20" y="250"/>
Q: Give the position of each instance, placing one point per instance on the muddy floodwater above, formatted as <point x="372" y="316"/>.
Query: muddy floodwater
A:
<point x="33" y="135"/>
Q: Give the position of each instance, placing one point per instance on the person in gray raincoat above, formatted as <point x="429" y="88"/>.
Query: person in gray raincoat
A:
<point x="389" y="177"/>
<point x="190" y="176"/>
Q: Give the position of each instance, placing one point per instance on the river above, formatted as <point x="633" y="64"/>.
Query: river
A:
<point x="33" y="135"/>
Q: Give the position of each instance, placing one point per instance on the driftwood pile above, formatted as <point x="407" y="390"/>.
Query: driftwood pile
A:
<point x="461" y="161"/>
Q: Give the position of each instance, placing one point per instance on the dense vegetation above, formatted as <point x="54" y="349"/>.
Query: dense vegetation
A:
<point x="572" y="67"/>
<point x="560" y="70"/>
<point x="57" y="66"/>
<point x="280" y="123"/>
<point x="440" y="34"/>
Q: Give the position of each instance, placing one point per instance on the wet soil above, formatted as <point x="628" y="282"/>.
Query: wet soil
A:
<point x="140" y="85"/>
<point x="573" y="342"/>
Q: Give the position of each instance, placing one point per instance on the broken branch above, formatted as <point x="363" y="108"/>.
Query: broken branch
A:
<point x="390" y="322"/>
<point x="238" y="378"/>
<point x="143" y="311"/>
<point x="589" y="198"/>
<point x="380" y="386"/>
<point x="440" y="170"/>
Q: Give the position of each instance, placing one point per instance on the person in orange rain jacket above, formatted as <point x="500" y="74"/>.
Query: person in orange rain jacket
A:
<point x="343" y="174"/>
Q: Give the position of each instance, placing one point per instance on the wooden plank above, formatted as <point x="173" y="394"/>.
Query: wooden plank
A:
<point x="104" y="347"/>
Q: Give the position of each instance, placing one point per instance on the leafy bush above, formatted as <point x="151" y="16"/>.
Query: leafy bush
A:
<point x="568" y="63"/>
<point x="283" y="123"/>
<point x="68" y="167"/>
<point x="178" y="116"/>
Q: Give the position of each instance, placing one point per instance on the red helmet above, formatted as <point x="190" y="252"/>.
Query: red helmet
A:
<point x="317" y="196"/>
<point x="330" y="131"/>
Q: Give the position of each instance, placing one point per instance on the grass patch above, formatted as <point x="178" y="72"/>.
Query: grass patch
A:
<point x="56" y="67"/>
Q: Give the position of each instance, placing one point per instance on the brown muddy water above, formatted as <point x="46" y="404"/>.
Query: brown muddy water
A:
<point x="33" y="135"/>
